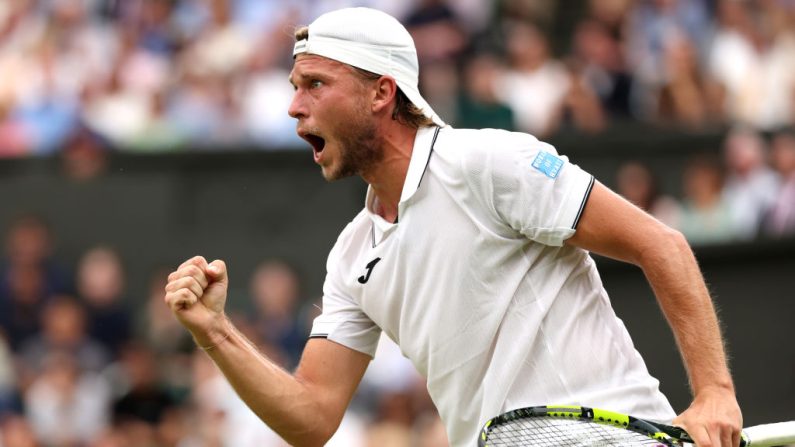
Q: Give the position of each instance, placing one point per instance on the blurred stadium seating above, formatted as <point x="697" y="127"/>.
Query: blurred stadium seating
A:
<point x="137" y="133"/>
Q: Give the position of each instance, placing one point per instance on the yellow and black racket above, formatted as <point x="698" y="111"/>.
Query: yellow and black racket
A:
<point x="566" y="425"/>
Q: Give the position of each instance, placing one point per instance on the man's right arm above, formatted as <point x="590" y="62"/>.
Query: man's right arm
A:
<point x="305" y="408"/>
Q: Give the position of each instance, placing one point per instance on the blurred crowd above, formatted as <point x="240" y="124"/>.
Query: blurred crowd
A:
<point x="82" y="364"/>
<point x="744" y="192"/>
<point x="168" y="74"/>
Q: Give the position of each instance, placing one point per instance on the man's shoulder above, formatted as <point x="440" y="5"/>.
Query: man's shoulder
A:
<point x="477" y="151"/>
<point x="468" y="137"/>
<point x="354" y="232"/>
<point x="359" y="224"/>
<point x="476" y="142"/>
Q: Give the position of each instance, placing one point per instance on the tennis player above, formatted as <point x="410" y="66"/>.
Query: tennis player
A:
<point x="471" y="253"/>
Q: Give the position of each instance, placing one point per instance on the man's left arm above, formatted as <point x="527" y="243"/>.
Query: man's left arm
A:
<point x="612" y="227"/>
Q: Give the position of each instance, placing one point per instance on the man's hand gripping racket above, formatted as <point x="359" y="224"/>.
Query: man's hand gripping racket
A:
<point x="713" y="418"/>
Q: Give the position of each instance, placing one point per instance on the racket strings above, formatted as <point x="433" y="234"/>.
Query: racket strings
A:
<point x="564" y="433"/>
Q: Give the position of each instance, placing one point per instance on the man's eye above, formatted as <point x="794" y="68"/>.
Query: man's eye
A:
<point x="315" y="83"/>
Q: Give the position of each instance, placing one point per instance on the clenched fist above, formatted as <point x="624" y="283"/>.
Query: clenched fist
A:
<point x="196" y="293"/>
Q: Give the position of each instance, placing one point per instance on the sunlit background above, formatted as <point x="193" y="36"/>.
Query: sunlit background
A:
<point x="137" y="133"/>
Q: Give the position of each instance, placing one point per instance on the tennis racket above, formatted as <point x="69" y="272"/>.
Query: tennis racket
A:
<point x="567" y="425"/>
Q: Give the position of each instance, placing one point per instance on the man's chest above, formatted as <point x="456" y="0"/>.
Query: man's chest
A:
<point x="424" y="278"/>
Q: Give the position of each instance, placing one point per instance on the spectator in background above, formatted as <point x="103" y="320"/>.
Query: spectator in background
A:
<point x="125" y="105"/>
<point x="393" y="396"/>
<point x="63" y="329"/>
<point x="14" y="140"/>
<point x="157" y="132"/>
<point x="429" y="432"/>
<point x="9" y="392"/>
<point x="83" y="37"/>
<point x="110" y="437"/>
<point x="17" y="20"/>
<point x="175" y="427"/>
<point x="705" y="215"/>
<point x="535" y="85"/>
<point x="157" y="328"/>
<point x="48" y="112"/>
<point x="223" y="45"/>
<point x="478" y="106"/>
<point x="114" y="111"/>
<point x="203" y="106"/>
<point x="753" y="57"/>
<point x="751" y="185"/>
<point x="223" y="419"/>
<point x="598" y="60"/>
<point x="651" y="26"/>
<point x="29" y="276"/>
<point x="581" y="108"/>
<point x="387" y="435"/>
<point x="15" y="431"/>
<point x="71" y="49"/>
<point x="437" y="31"/>
<point x="780" y="220"/>
<point x="636" y="183"/>
<point x="24" y="296"/>
<point x="160" y="334"/>
<point x="262" y="93"/>
<point x="196" y="108"/>
<point x="144" y="403"/>
<point x="275" y="292"/>
<point x="261" y="96"/>
<point x="441" y="40"/>
<point x="254" y="16"/>
<point x="15" y="16"/>
<point x="101" y="287"/>
<point x="55" y="48"/>
<point x="442" y="82"/>
<point x="686" y="97"/>
<point x="66" y="406"/>
<point x="542" y="12"/>
<point x="84" y="156"/>
<point x="152" y="19"/>
<point x="29" y="241"/>
<point x="144" y="66"/>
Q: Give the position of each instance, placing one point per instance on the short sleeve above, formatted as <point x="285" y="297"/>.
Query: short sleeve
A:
<point x="342" y="320"/>
<point x="533" y="189"/>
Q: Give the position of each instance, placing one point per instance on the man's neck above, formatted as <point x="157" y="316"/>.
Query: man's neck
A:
<point x="387" y="177"/>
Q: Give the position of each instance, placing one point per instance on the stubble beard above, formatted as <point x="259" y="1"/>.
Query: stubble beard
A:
<point x="360" y="147"/>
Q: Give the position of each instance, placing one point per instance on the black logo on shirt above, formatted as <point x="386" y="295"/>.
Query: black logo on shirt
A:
<point x="363" y="279"/>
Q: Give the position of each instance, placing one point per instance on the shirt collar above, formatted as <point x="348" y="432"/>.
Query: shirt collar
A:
<point x="420" y="156"/>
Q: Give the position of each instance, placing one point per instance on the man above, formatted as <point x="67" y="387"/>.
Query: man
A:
<point x="470" y="253"/>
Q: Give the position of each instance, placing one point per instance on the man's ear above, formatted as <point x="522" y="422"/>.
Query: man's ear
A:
<point x="385" y="93"/>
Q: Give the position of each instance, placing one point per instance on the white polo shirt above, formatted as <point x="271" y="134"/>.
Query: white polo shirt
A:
<point x="476" y="287"/>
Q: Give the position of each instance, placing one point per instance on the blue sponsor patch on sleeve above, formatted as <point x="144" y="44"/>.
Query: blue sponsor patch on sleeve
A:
<point x="548" y="164"/>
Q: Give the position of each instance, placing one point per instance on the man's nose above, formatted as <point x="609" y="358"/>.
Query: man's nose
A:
<point x="297" y="109"/>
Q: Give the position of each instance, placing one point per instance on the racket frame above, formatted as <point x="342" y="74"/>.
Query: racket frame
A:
<point x="665" y="434"/>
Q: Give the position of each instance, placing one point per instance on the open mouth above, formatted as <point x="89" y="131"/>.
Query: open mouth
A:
<point x="317" y="142"/>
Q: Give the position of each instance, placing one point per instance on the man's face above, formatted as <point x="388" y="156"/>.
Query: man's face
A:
<point x="332" y="106"/>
